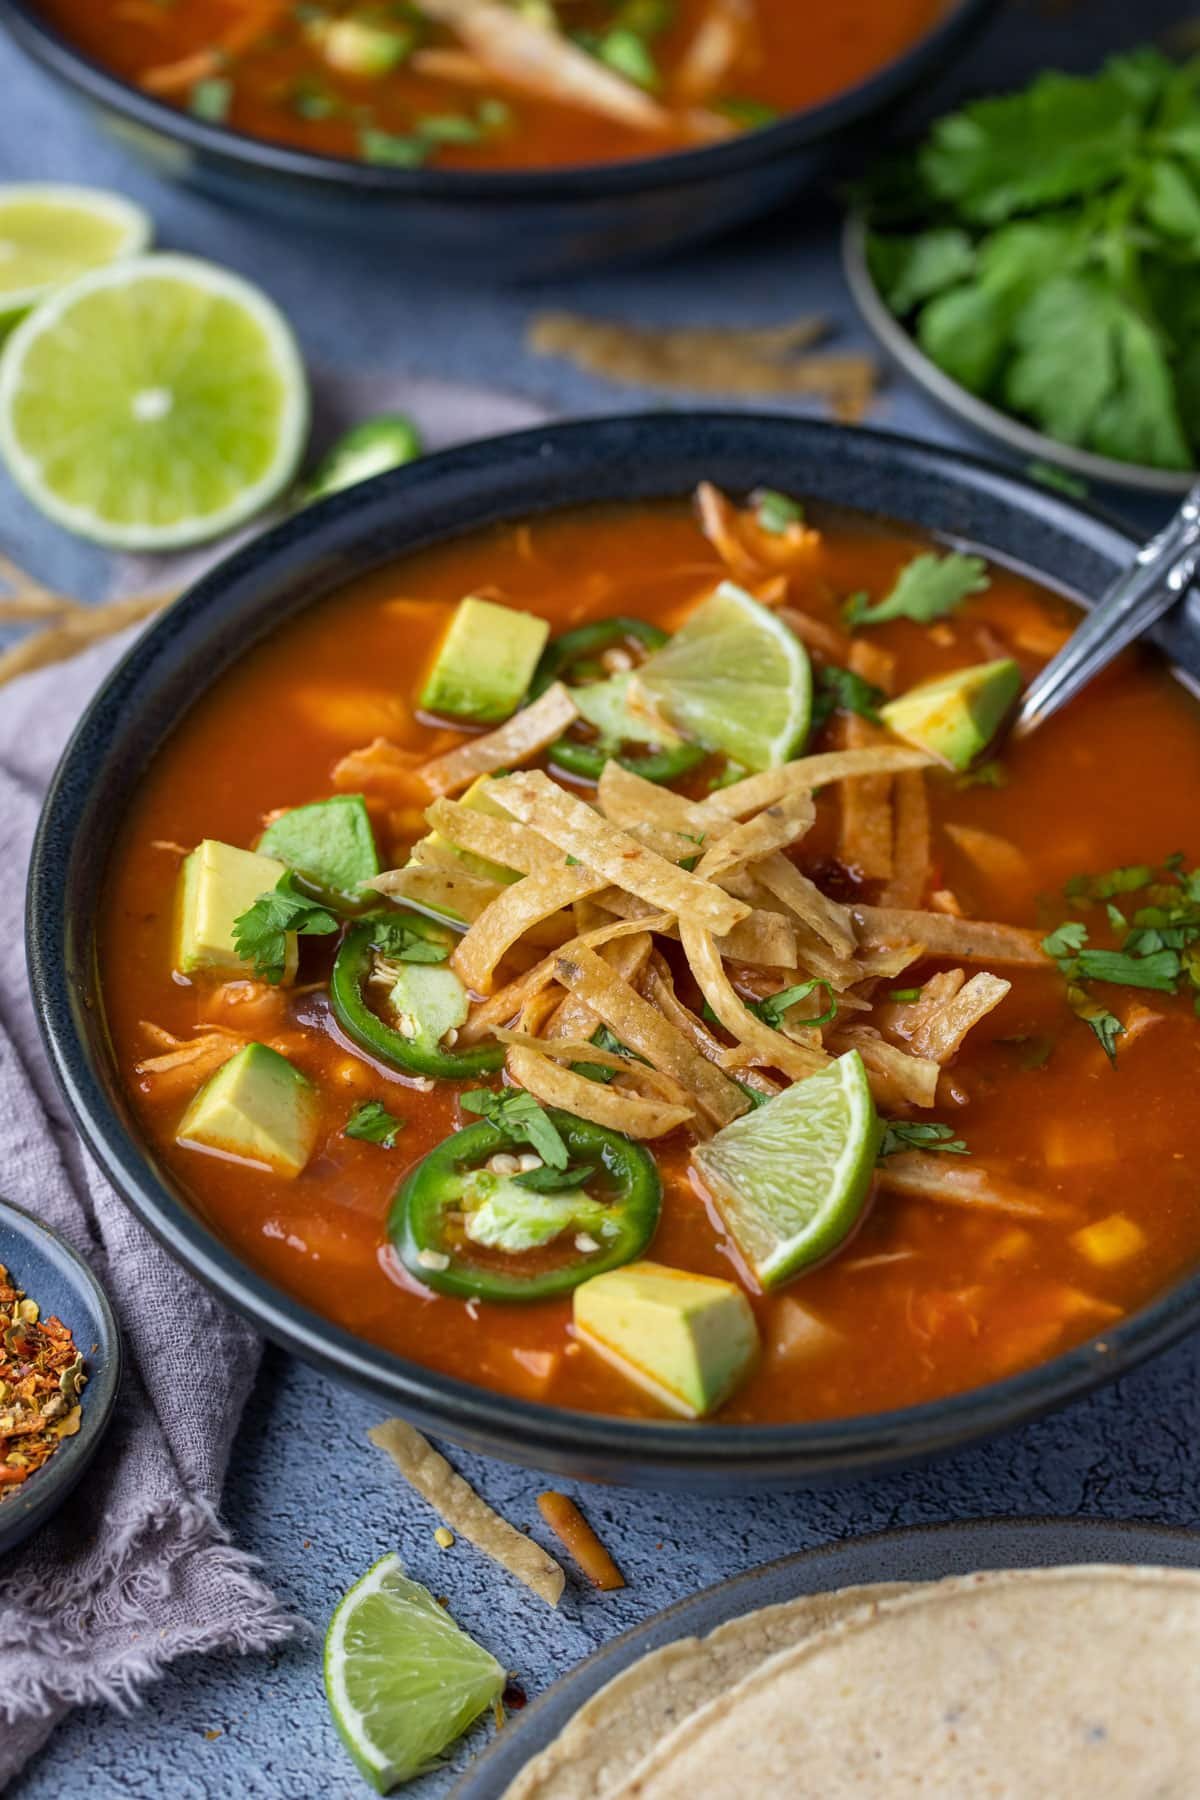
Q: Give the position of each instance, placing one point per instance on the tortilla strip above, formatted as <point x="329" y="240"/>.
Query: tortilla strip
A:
<point x="744" y="547"/>
<point x="810" y="773"/>
<point x="940" y="1036"/>
<point x="762" y="937"/>
<point x="465" y="1512"/>
<point x="629" y="958"/>
<point x="581" y="832"/>
<point x="456" y="893"/>
<point x="627" y="800"/>
<point x="512" y="914"/>
<point x="570" y="1051"/>
<point x="895" y="1076"/>
<point x="865" y="841"/>
<point x="767" y="833"/>
<point x="972" y="940"/>
<point x="996" y="857"/>
<point x="529" y="731"/>
<point x="615" y="1108"/>
<point x="912" y="847"/>
<point x="957" y="1181"/>
<point x="660" y="990"/>
<point x="500" y="841"/>
<point x="382" y="769"/>
<point x="882" y="964"/>
<point x="510" y="1000"/>
<point x="643" y="1028"/>
<point x="831" y="921"/>
<point x="815" y="634"/>
<point x="771" y="1047"/>
<point x="936" y="993"/>
<point x="716" y="44"/>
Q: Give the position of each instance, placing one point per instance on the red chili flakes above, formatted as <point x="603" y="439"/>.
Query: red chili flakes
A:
<point x="41" y="1376"/>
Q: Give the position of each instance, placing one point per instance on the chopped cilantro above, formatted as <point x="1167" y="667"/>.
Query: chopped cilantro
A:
<point x="211" y="99"/>
<point x="518" y="1115"/>
<point x="604" y="1039"/>
<point x="751" y="115"/>
<point x="927" y="588"/>
<point x="393" y="150"/>
<point x="841" y="690"/>
<point x="776" y="512"/>
<point x="754" y="1095"/>
<point x="556" y="1181"/>
<point x="906" y="1134"/>
<point x="260" y="934"/>
<point x="399" y="941"/>
<point x="773" y="1010"/>
<point x="374" y="1124"/>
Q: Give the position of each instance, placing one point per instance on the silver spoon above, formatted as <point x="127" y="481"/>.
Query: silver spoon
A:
<point x="1160" y="574"/>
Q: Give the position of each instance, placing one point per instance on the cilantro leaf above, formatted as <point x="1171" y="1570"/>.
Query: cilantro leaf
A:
<point x="837" y="689"/>
<point x="556" y="1181"/>
<point x="773" y="1010"/>
<point x="518" y="1115"/>
<point x="913" y="1134"/>
<point x="604" y="1039"/>
<point x="260" y="934"/>
<point x="927" y="588"/>
<point x="1067" y="941"/>
<point x="1159" y="971"/>
<point x="775" y="512"/>
<point x="1127" y="880"/>
<point x="754" y="1095"/>
<point x="374" y="1124"/>
<point x="400" y="941"/>
<point x="908" y="270"/>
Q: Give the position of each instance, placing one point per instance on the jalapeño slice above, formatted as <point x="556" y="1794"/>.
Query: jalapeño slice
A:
<point x="466" y="1230"/>
<point x="400" y="1005"/>
<point x="577" y="659"/>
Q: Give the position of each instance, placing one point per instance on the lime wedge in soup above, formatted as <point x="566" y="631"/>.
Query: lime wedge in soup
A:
<point x="791" y="1178"/>
<point x="402" y="1680"/>
<point x="153" y="404"/>
<point x="735" y="679"/>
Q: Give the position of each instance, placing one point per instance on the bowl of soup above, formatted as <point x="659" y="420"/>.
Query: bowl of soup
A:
<point x="617" y="1081"/>
<point x="510" y="141"/>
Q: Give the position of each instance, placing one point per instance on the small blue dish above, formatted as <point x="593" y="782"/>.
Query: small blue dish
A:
<point x="50" y="1272"/>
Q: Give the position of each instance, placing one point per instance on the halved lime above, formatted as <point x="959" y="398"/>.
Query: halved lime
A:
<point x="791" y="1178"/>
<point x="734" y="678"/>
<point x="401" y="1679"/>
<point x="51" y="234"/>
<point x="153" y="404"/>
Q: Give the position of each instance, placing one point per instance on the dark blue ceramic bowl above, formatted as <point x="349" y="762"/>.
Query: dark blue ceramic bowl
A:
<point x="50" y="1272"/>
<point x="501" y="225"/>
<point x="1072" y="549"/>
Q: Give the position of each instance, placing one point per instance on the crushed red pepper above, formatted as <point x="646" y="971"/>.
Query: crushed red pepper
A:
<point x="41" y="1376"/>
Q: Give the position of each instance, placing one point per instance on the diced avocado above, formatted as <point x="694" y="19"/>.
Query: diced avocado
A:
<point x="956" y="717"/>
<point x="258" y="1109"/>
<point x="218" y="883"/>
<point x="503" y="1215"/>
<point x="329" y="842"/>
<point x="427" y="1000"/>
<point x="605" y="706"/>
<point x="478" y="798"/>
<point x="688" y="1339"/>
<point x="485" y="664"/>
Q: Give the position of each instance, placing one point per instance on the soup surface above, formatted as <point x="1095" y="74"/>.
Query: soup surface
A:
<point x="1038" y="1183"/>
<point x="473" y="83"/>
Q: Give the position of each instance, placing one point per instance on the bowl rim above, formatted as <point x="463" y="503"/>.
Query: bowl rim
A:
<point x="24" y="1511"/>
<point x="582" y="181"/>
<point x="985" y="418"/>
<point x="644" y="1452"/>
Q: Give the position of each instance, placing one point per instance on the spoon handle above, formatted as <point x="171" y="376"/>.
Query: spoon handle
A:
<point x="1160" y="573"/>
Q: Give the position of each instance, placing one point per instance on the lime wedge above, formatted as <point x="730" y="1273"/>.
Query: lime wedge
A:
<point x="791" y="1178"/>
<point x="401" y="1679"/>
<point x="152" y="404"/>
<point x="735" y="679"/>
<point x="49" y="235"/>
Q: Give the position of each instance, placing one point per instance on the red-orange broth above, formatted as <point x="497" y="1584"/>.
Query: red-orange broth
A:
<point x="927" y="1299"/>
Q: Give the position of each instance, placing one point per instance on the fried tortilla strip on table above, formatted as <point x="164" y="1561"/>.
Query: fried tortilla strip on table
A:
<point x="580" y="831"/>
<point x="466" y="1512"/>
<point x="526" y="734"/>
<point x="643" y="1028"/>
<point x="926" y="1175"/>
<point x="974" y="940"/>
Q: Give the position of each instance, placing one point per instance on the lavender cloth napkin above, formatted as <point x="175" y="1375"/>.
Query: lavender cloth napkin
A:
<point x="137" y="1568"/>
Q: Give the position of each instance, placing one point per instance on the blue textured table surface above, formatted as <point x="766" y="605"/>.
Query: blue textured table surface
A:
<point x="307" y="1493"/>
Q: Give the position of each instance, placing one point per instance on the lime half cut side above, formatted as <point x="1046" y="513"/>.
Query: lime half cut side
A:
<point x="51" y="234"/>
<point x="153" y="404"/>
<point x="791" y="1178"/>
<point x="402" y="1680"/>
<point x="734" y="678"/>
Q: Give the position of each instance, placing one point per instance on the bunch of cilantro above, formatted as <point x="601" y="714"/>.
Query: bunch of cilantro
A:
<point x="1044" y="249"/>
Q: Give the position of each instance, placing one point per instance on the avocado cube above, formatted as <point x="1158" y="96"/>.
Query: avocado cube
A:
<point x="329" y="842"/>
<point x="479" y="800"/>
<point x="427" y="1000"/>
<point x="217" y="883"/>
<point x="956" y="716"/>
<point x="257" y="1109"/>
<point x="687" y="1339"/>
<point x="485" y="664"/>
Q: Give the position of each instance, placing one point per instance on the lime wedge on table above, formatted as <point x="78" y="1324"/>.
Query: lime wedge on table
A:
<point x="735" y="679"/>
<point x="790" y="1178"/>
<point x="401" y="1679"/>
<point x="50" y="234"/>
<point x="152" y="404"/>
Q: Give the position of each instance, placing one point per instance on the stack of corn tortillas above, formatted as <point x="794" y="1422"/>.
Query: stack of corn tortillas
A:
<point x="1066" y="1682"/>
